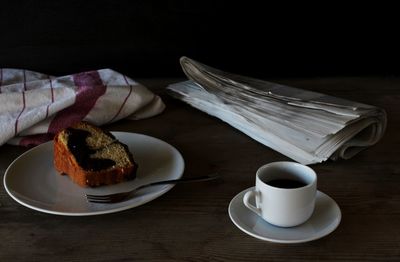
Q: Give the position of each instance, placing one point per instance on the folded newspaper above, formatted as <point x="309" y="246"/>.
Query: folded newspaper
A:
<point x="306" y="126"/>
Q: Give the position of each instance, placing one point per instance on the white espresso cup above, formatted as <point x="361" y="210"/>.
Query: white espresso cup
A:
<point x="284" y="193"/>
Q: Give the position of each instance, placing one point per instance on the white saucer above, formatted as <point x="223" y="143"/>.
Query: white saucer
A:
<point x="325" y="219"/>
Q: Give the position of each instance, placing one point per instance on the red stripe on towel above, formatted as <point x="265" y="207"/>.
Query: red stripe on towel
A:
<point x="20" y="113"/>
<point x="24" y="80"/>
<point x="89" y="88"/>
<point x="34" y="140"/>
<point x="52" y="97"/>
<point x="126" y="99"/>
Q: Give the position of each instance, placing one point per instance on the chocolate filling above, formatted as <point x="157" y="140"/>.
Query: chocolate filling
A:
<point x="81" y="151"/>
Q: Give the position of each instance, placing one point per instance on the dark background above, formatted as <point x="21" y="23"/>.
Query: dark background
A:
<point x="146" y="38"/>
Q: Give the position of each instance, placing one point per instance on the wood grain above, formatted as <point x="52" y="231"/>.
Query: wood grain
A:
<point x="191" y="222"/>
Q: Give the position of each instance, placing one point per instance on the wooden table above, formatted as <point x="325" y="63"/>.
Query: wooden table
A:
<point x="191" y="222"/>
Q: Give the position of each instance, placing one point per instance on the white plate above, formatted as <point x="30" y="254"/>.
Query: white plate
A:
<point x="32" y="181"/>
<point x="324" y="220"/>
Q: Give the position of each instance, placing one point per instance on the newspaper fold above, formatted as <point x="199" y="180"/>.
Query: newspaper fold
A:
<point x="306" y="126"/>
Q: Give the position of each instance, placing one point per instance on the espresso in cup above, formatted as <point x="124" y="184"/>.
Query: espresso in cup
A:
<point x="284" y="193"/>
<point x="286" y="183"/>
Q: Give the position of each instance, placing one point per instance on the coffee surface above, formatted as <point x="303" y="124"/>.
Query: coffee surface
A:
<point x="286" y="183"/>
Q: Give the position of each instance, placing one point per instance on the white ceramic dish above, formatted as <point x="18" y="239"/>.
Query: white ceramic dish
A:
<point x="32" y="181"/>
<point x="325" y="219"/>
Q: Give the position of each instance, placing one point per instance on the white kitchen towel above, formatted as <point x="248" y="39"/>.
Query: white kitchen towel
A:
<point x="34" y="106"/>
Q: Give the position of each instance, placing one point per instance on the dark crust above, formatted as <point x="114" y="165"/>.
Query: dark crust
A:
<point x="135" y="165"/>
<point x="108" y="133"/>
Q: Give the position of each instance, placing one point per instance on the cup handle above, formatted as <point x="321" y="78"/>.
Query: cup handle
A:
<point x="246" y="197"/>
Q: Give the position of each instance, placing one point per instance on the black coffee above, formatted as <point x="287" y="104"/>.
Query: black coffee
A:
<point x="286" y="183"/>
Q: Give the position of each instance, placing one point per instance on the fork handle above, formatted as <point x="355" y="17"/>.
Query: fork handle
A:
<point x="183" y="180"/>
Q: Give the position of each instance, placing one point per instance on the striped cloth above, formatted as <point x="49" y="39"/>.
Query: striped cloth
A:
<point x="34" y="106"/>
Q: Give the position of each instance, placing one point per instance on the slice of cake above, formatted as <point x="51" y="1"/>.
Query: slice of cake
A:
<point x="92" y="157"/>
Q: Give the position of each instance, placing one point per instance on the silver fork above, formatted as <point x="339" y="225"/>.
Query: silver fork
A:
<point x="118" y="197"/>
